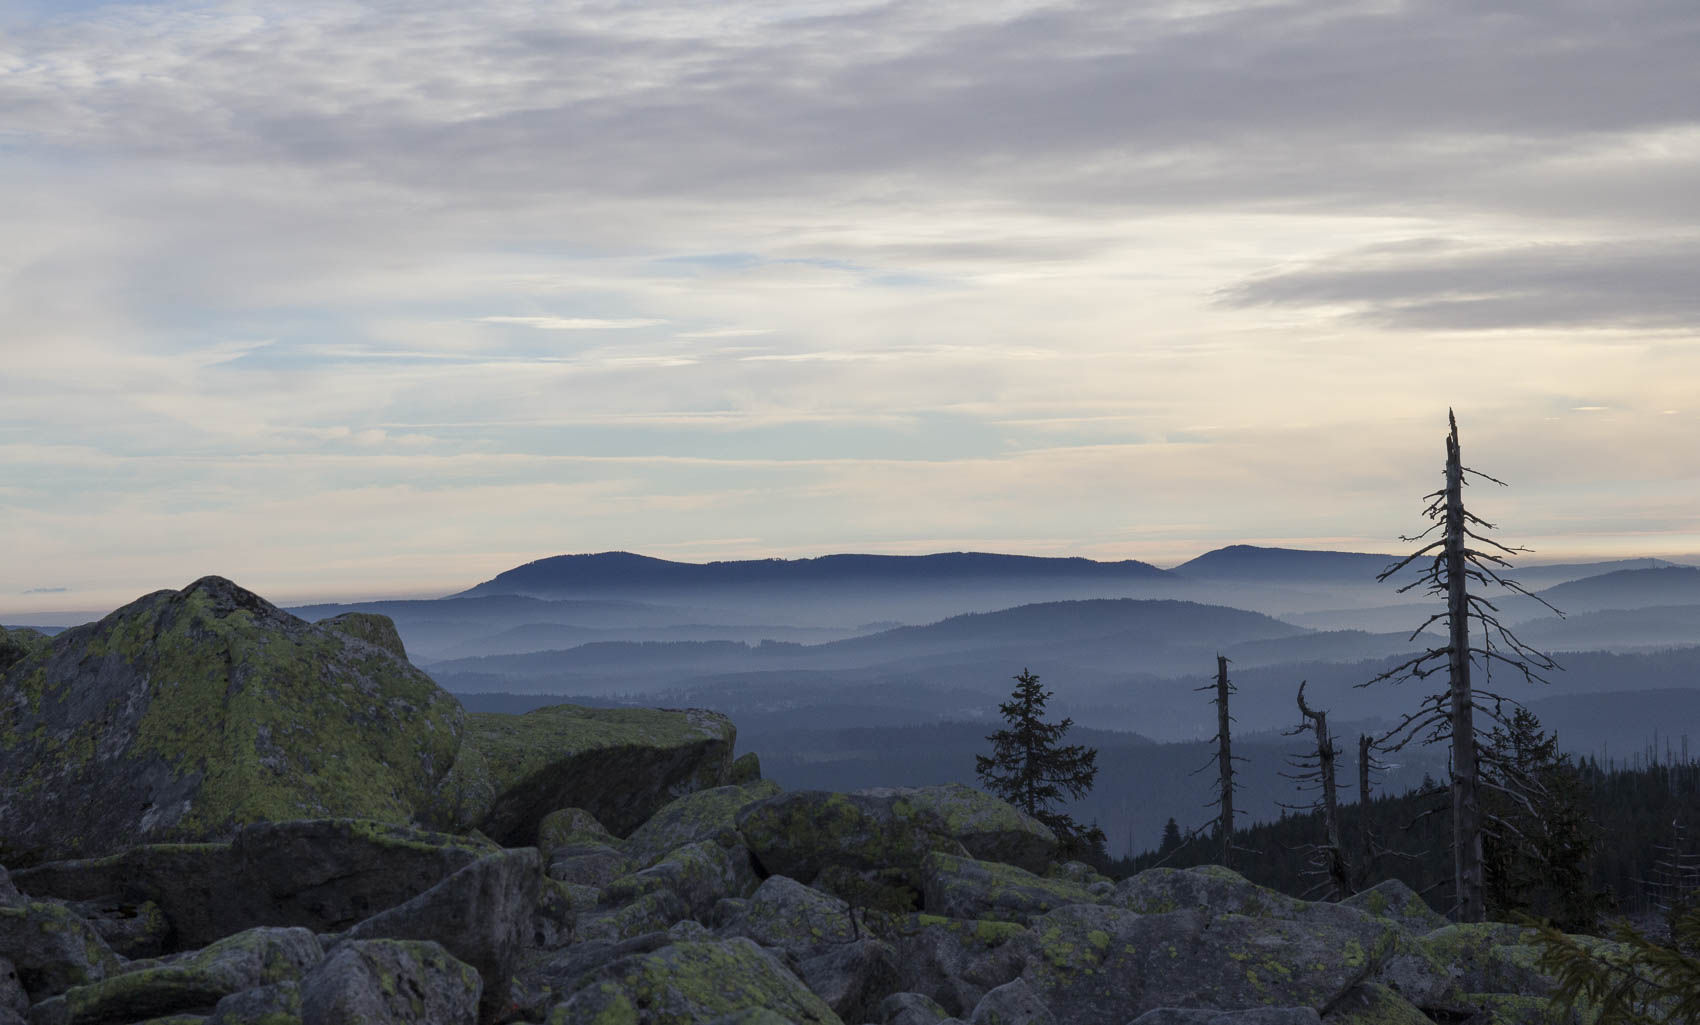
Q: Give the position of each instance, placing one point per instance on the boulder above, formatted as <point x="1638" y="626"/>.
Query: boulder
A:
<point x="1375" y="1004"/>
<point x="482" y="915"/>
<point x="988" y="828"/>
<point x="186" y="714"/>
<point x="651" y="912"/>
<point x="390" y="982"/>
<point x="51" y="949"/>
<point x="588" y="864"/>
<point x="965" y="888"/>
<point x="1250" y="1016"/>
<point x="19" y="643"/>
<point x="746" y="768"/>
<point x="703" y="815"/>
<point x="690" y="981"/>
<point x="699" y="874"/>
<point x="912" y="1009"/>
<point x="619" y="764"/>
<point x="1012" y="1003"/>
<point x="8" y="890"/>
<point x="853" y="978"/>
<point x="12" y="994"/>
<point x="799" y="920"/>
<point x="276" y="1004"/>
<point x="954" y="962"/>
<point x="1488" y="957"/>
<point x="565" y="827"/>
<point x="798" y="834"/>
<point x="197" y="982"/>
<point x="1210" y="888"/>
<point x="324" y="874"/>
<point x="378" y="631"/>
<point x="1399" y="904"/>
<point x="1097" y="965"/>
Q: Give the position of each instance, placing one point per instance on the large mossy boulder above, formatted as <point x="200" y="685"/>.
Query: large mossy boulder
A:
<point x="704" y="815"/>
<point x="967" y="888"/>
<point x="619" y="764"/>
<point x="800" y="833"/>
<point x="988" y="828"/>
<point x="186" y="714"/>
<point x="19" y="643"/>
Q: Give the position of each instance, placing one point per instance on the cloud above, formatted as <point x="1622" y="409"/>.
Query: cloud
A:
<point x="573" y="323"/>
<point x="1438" y="284"/>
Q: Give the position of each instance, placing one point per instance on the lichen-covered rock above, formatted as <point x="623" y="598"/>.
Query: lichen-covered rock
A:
<point x="786" y="915"/>
<point x="853" y="978"/>
<point x="954" y="962"/>
<point x="8" y="890"/>
<point x="196" y="983"/>
<point x="1403" y="906"/>
<point x="798" y="834"/>
<point x="1488" y="957"/>
<point x="965" y="888"/>
<point x="912" y="1009"/>
<point x="746" y="768"/>
<point x="1211" y="888"/>
<point x="1412" y="971"/>
<point x="1250" y="1016"/>
<point x="1097" y="965"/>
<point x="588" y="864"/>
<point x="1013" y="1003"/>
<point x="566" y="827"/>
<point x="19" y="643"/>
<point x="390" y="982"/>
<point x="378" y="631"/>
<point x="188" y="713"/>
<point x="275" y="1004"/>
<point x="700" y="874"/>
<point x="51" y="949"/>
<point x="689" y="982"/>
<point x="703" y="815"/>
<point x="619" y="764"/>
<point x="324" y="874"/>
<point x="653" y="911"/>
<point x="482" y="915"/>
<point x="988" y="828"/>
<point x="1374" y="1004"/>
<point x="132" y="930"/>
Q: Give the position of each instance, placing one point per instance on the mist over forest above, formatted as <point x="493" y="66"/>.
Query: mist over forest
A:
<point x="852" y="671"/>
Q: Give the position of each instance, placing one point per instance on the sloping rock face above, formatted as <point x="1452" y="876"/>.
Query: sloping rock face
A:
<point x="619" y="764"/>
<point x="188" y="713"/>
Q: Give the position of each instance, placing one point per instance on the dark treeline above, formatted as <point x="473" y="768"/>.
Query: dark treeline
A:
<point x="1649" y="817"/>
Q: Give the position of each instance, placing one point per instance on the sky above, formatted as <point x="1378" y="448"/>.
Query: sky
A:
<point x="356" y="299"/>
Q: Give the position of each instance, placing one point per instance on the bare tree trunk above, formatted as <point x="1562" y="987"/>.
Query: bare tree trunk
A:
<point x="1366" y="856"/>
<point x="1338" y="873"/>
<point x="1468" y="874"/>
<point x="1224" y="763"/>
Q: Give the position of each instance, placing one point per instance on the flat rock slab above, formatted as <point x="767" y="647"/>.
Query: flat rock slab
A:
<point x="196" y="983"/>
<point x="187" y="713"/>
<point x="966" y="888"/>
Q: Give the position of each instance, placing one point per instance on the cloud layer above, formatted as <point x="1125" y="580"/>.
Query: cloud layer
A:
<point x="350" y="297"/>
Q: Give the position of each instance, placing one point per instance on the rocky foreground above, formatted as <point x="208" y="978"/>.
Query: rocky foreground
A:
<point x="217" y="813"/>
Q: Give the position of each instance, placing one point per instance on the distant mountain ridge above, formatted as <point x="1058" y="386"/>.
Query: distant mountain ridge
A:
<point x="611" y="572"/>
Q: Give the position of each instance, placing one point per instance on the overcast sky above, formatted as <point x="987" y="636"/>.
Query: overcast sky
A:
<point x="348" y="299"/>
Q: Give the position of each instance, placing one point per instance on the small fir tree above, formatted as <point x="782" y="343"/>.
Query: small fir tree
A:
<point x="1029" y="769"/>
<point x="1171" y="837"/>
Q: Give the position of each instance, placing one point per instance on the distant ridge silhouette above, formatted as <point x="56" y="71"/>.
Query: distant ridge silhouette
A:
<point x="612" y="572"/>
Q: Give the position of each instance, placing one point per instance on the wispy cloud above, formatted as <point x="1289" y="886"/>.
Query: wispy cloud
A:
<point x="574" y="323"/>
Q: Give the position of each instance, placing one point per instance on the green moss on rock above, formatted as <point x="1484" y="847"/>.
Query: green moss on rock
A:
<point x="187" y="713"/>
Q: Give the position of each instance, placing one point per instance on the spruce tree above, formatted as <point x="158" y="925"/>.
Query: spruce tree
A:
<point x="1029" y="769"/>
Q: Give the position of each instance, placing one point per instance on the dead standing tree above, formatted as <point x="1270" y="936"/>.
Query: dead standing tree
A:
<point x="1450" y="714"/>
<point x="1225" y="759"/>
<point x="1317" y="773"/>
